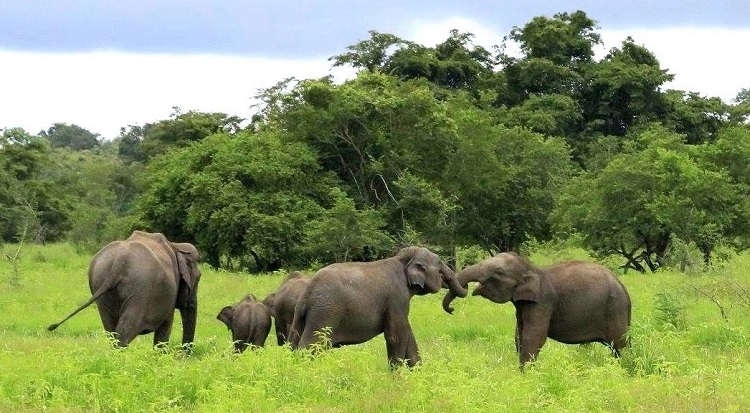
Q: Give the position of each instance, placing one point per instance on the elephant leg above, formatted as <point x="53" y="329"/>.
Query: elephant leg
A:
<point x="109" y="317"/>
<point x="280" y="326"/>
<point x="519" y="331"/>
<point x="400" y="343"/>
<point x="129" y="324"/>
<point x="532" y="333"/>
<point x="162" y="333"/>
<point x="412" y="351"/>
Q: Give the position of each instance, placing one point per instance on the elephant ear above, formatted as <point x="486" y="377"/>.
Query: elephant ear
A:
<point x="226" y="315"/>
<point x="528" y="288"/>
<point x="415" y="273"/>
<point x="187" y="259"/>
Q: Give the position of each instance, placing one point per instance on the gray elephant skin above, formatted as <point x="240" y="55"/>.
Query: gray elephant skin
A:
<point x="359" y="300"/>
<point x="139" y="282"/>
<point x="283" y="301"/>
<point x="572" y="302"/>
<point x="249" y="321"/>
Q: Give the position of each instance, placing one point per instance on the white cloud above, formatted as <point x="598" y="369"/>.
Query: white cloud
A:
<point x="104" y="91"/>
<point x="430" y="33"/>
<point x="703" y="60"/>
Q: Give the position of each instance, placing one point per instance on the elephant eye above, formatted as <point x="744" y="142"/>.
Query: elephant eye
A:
<point x="421" y="267"/>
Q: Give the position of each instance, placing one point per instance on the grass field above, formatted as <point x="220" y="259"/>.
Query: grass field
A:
<point x="686" y="355"/>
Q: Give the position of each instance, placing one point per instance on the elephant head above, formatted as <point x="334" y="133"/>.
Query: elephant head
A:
<point x="426" y="273"/>
<point x="187" y="257"/>
<point x="502" y="278"/>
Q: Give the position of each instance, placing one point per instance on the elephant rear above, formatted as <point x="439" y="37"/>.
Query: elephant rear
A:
<point x="593" y="305"/>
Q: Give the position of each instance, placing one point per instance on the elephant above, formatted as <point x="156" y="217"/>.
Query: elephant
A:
<point x="283" y="301"/>
<point x="572" y="302"/>
<point x="358" y="300"/>
<point x="249" y="321"/>
<point x="138" y="283"/>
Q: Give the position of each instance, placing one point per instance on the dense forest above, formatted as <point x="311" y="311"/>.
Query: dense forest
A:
<point x="451" y="146"/>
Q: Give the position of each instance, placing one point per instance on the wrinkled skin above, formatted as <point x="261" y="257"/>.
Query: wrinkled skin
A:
<point x="283" y="301"/>
<point x="359" y="300"/>
<point x="571" y="302"/>
<point x="249" y="321"/>
<point x="139" y="282"/>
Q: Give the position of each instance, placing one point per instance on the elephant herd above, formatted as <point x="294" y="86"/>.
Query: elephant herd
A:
<point x="139" y="282"/>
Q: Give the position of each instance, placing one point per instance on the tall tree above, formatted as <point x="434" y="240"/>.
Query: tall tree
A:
<point x="62" y="135"/>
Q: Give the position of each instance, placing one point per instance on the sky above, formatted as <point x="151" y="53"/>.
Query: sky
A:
<point x="104" y="65"/>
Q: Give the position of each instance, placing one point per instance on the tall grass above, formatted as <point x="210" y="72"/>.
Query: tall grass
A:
<point x="685" y="355"/>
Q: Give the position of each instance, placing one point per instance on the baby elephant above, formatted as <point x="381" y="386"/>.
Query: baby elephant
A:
<point x="250" y="322"/>
<point x="571" y="302"/>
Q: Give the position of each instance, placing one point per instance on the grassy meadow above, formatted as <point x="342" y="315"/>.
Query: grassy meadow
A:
<point x="690" y="352"/>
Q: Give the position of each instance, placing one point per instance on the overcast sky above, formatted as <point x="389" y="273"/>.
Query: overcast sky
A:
<point x="107" y="64"/>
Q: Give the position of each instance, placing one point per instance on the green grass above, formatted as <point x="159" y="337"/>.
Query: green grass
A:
<point x="685" y="356"/>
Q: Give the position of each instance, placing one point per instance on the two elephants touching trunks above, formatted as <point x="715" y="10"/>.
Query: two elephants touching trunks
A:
<point x="138" y="283"/>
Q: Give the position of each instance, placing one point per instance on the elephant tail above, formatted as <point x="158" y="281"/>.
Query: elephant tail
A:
<point x="109" y="284"/>
<point x="93" y="298"/>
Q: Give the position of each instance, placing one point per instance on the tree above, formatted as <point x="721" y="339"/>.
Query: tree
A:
<point x="644" y="198"/>
<point x="371" y="54"/>
<point x="239" y="198"/>
<point x="624" y="89"/>
<point x="62" y="135"/>
<point x="556" y="52"/>
<point x="370" y="131"/>
<point x="180" y="130"/>
<point x="505" y="181"/>
<point x="698" y="118"/>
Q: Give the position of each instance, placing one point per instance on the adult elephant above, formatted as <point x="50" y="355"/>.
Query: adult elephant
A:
<point x="139" y="282"/>
<point x="359" y="300"/>
<point x="249" y="321"/>
<point x="571" y="302"/>
<point x="283" y="301"/>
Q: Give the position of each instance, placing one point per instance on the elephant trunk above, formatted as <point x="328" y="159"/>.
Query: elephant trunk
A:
<point x="449" y="277"/>
<point x="472" y="273"/>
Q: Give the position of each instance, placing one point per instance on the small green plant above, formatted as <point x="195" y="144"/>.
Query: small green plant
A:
<point x="324" y="340"/>
<point x="670" y="311"/>
<point x="13" y="258"/>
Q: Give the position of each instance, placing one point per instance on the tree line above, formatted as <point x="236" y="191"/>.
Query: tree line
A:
<point x="449" y="146"/>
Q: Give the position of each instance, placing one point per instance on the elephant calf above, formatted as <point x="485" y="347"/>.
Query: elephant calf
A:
<point x="249" y="321"/>
<point x="571" y="302"/>
<point x="283" y="301"/>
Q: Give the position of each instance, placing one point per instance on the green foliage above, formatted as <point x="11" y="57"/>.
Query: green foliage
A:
<point x="237" y="196"/>
<point x="505" y="181"/>
<point x="670" y="311"/>
<point x="623" y="90"/>
<point x="640" y="200"/>
<point x="74" y="137"/>
<point x="140" y="143"/>
<point x="343" y="233"/>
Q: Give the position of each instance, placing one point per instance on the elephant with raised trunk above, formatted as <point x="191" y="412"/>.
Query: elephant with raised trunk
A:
<point x="139" y="282"/>
<point x="359" y="300"/>
<point x="571" y="302"/>
<point x="249" y="321"/>
<point x="283" y="301"/>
